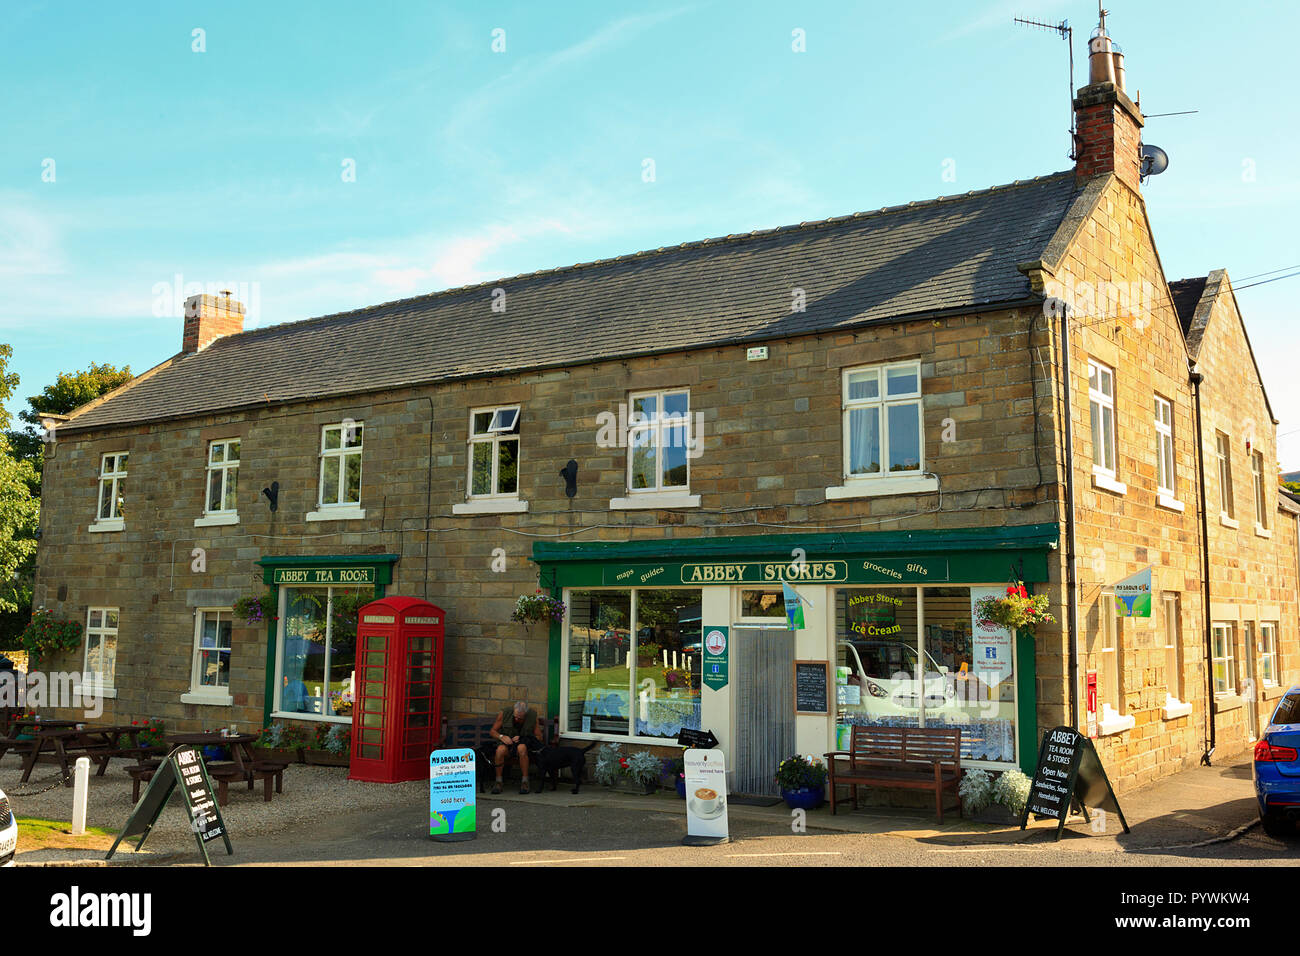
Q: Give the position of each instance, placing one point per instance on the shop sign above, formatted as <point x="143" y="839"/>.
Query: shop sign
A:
<point x="1069" y="772"/>
<point x="1133" y="595"/>
<point x="715" y="657"/>
<point x="453" y="787"/>
<point x="182" y="767"/>
<point x="855" y="571"/>
<point x="309" y="576"/>
<point x="706" y="797"/>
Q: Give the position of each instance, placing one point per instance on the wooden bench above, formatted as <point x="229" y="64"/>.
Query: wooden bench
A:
<point x="908" y="758"/>
<point x="475" y="733"/>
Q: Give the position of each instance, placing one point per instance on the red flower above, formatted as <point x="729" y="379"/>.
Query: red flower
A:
<point x="1011" y="589"/>
<point x="1023" y="592"/>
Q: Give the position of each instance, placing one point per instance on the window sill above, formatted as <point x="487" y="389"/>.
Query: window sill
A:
<point x="1113" y="723"/>
<point x="1263" y="532"/>
<point x="94" y="690"/>
<point x="1108" y="483"/>
<point x="1227" y="702"/>
<point x="675" y="499"/>
<point x="1228" y="522"/>
<point x="490" y="506"/>
<point x="107" y="524"/>
<point x="1271" y="691"/>
<point x="878" y="487"/>
<point x="1164" y="501"/>
<point x="336" y="513"/>
<point x="210" y="699"/>
<point x="1175" y="708"/>
<point x="213" y="521"/>
<point x="295" y="715"/>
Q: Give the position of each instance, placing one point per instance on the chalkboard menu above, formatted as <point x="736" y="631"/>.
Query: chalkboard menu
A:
<point x="811" y="684"/>
<point x="1069" y="772"/>
<point x="182" y="767"/>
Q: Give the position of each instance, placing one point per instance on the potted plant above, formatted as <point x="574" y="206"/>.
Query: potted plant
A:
<point x="645" y="770"/>
<point x="610" y="764"/>
<point x="802" y="781"/>
<point x="976" y="792"/>
<point x="677" y="679"/>
<point x="677" y="773"/>
<point x="1018" y="610"/>
<point x="332" y="746"/>
<point x="1012" y="791"/>
<point x="281" y="742"/>
<point x="537" y="608"/>
<point x="647" y="654"/>
<point x="151" y="734"/>
<point x="46" y="634"/>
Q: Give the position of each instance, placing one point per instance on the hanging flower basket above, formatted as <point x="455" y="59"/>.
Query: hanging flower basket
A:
<point x="1018" y="610"/>
<point x="256" y="610"/>
<point x="45" y="635"/>
<point x="537" y="608"/>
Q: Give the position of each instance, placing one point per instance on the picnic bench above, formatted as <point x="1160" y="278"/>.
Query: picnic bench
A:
<point x="475" y="733"/>
<point x="243" y="767"/>
<point x="907" y="758"/>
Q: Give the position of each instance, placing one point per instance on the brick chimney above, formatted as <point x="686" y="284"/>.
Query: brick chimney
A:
<point x="1109" y="124"/>
<point x="208" y="318"/>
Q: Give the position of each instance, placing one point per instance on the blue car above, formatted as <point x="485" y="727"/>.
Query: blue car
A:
<point x="1277" y="767"/>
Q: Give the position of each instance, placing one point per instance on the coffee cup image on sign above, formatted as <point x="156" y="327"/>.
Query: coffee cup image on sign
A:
<point x="707" y="801"/>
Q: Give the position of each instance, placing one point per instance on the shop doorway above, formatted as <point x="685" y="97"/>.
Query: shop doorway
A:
<point x="762" y="668"/>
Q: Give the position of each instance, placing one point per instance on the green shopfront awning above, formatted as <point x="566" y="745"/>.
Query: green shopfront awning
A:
<point x="948" y="556"/>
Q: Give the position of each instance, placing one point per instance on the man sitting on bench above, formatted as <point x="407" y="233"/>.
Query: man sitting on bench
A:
<point x="515" y="727"/>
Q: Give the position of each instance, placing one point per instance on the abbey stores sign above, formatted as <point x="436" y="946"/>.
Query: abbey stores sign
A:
<point x="884" y="571"/>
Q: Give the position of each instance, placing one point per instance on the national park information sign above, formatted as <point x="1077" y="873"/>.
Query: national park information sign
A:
<point x="1069" y="772"/>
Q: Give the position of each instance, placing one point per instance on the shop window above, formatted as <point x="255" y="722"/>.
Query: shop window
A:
<point x="1223" y="661"/>
<point x="101" y="647"/>
<point x="1101" y="413"/>
<point x="659" y="441"/>
<point x="1268" y="653"/>
<point x="210" y="675"/>
<point x="110" y="507"/>
<point x="1164" y="447"/>
<point x="1223" y="449"/>
<point x="634" y="662"/>
<point x="952" y="672"/>
<point x="882" y="421"/>
<point x="762" y="603"/>
<point x="494" y="452"/>
<point x="340" y="466"/>
<point x="223" y="477"/>
<point x="316" y="673"/>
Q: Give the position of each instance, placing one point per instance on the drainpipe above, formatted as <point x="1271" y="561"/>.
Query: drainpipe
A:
<point x="1071" y="574"/>
<point x="1197" y="379"/>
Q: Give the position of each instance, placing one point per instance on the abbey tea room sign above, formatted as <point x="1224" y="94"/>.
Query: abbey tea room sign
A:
<point x="309" y="576"/>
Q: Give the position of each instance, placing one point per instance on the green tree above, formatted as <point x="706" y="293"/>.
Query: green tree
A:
<point x="69" y="392"/>
<point x="19" y="516"/>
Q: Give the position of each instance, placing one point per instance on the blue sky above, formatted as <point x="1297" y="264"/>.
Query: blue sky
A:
<point x="226" y="167"/>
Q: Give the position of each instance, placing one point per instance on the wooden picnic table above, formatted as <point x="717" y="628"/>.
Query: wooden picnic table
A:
<point x="69" y="738"/>
<point x="243" y="766"/>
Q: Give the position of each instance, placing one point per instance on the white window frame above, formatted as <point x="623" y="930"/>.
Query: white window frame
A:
<point x="200" y="693"/>
<point x="1257" y="478"/>
<point x="113" y="479"/>
<point x="339" y="510"/>
<point x="282" y="607"/>
<point x="1268" y="653"/>
<point x="1166" y="470"/>
<point x="1227" y="632"/>
<point x="1100" y="402"/>
<point x="883" y="401"/>
<point x="220" y="516"/>
<point x="656" y="427"/>
<point x="499" y="430"/>
<point x="1223" y="452"/>
<point x="1171" y="621"/>
<point x="94" y="681"/>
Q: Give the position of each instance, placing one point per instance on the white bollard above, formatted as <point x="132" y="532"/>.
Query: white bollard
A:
<point x="80" y="787"/>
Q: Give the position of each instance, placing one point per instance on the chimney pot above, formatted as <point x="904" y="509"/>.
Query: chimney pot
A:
<point x="208" y="318"/>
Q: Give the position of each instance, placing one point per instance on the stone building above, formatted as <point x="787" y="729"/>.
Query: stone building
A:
<point x="895" y="412"/>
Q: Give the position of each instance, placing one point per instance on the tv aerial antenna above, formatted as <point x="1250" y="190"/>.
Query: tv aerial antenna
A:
<point x="1066" y="33"/>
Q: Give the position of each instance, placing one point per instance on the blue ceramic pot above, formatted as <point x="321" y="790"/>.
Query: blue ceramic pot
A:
<point x="805" y="798"/>
<point x="681" y="787"/>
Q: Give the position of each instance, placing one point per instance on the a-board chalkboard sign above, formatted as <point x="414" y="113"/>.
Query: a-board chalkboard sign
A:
<point x="811" y="687"/>
<point x="701" y="739"/>
<point x="182" y="767"/>
<point x="1069" y="773"/>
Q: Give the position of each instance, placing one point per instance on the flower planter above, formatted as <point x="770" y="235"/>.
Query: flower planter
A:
<point x="805" y="798"/>
<point x="278" y="756"/>
<point x="323" y="758"/>
<point x="996" y="813"/>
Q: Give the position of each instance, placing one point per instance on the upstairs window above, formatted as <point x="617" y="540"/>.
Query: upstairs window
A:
<point x="1257" y="476"/>
<point x="1222" y="448"/>
<point x="223" y="477"/>
<point x="494" y="452"/>
<point x="882" y="421"/>
<point x="658" y="441"/>
<point x="1164" y="447"/>
<point x="1101" y="411"/>
<point x="340" y="465"/>
<point x="112" y="481"/>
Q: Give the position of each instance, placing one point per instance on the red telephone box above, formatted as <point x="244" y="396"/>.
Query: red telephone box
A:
<point x="397" y="710"/>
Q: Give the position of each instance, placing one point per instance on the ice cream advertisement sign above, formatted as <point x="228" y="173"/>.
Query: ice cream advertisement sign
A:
<point x="1133" y="595"/>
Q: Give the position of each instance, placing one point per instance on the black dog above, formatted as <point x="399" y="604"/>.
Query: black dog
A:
<point x="551" y="760"/>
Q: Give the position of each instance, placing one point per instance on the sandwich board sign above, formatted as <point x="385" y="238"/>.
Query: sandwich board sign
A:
<point x="706" y="798"/>
<point x="453" y="790"/>
<point x="1069" y="774"/>
<point x="182" y="767"/>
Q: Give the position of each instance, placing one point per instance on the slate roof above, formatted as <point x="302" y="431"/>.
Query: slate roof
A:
<point x="1187" y="296"/>
<point x="950" y="253"/>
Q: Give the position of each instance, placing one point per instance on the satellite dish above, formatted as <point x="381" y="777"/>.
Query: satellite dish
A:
<point x="1154" y="160"/>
